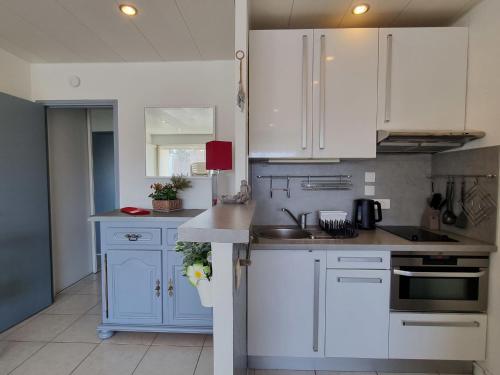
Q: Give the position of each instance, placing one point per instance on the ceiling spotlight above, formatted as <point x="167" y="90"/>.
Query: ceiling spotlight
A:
<point x="360" y="9"/>
<point x="129" y="10"/>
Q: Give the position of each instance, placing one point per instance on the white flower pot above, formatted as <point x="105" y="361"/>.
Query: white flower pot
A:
<point x="204" y="288"/>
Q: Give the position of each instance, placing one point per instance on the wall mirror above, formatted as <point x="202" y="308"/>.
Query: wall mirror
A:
<point x="175" y="140"/>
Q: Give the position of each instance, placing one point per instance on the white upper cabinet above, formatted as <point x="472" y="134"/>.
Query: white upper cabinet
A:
<point x="280" y="101"/>
<point x="345" y="93"/>
<point x="422" y="78"/>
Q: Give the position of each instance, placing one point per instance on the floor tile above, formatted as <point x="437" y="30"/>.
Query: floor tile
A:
<point x="344" y="373"/>
<point x="171" y="360"/>
<point x="283" y="372"/>
<point x="209" y="341"/>
<point x="179" y="339"/>
<point x="12" y="354"/>
<point x="73" y="304"/>
<point x="96" y="310"/>
<point x="133" y="338"/>
<point x="43" y="328"/>
<point x="406" y="373"/>
<point x="83" y="330"/>
<point x="85" y="286"/>
<point x="111" y="359"/>
<point x="206" y="362"/>
<point x="55" y="359"/>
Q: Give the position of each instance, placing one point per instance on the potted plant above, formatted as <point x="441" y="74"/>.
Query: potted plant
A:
<point x="165" y="195"/>
<point x="197" y="267"/>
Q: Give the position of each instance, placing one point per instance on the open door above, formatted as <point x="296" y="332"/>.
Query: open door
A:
<point x="25" y="254"/>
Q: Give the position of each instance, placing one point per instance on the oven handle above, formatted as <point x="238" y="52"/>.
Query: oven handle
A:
<point x="471" y="275"/>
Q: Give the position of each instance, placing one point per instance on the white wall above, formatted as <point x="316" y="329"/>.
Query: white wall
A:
<point x="483" y="113"/>
<point x="14" y="75"/>
<point x="135" y="86"/>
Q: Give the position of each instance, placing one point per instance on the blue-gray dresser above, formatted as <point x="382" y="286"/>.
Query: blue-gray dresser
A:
<point x="143" y="288"/>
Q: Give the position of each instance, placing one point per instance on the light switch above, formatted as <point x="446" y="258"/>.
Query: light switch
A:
<point x="385" y="203"/>
<point x="369" y="190"/>
<point x="369" y="176"/>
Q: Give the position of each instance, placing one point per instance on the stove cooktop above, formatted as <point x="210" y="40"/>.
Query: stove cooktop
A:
<point x="416" y="234"/>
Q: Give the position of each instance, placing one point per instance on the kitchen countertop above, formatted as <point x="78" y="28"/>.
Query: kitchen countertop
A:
<point x="223" y="223"/>
<point x="117" y="215"/>
<point x="377" y="239"/>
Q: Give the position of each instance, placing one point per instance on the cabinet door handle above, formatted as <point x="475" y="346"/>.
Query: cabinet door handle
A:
<point x="170" y="288"/>
<point x="461" y="275"/>
<point x="316" y="305"/>
<point x="158" y="289"/>
<point x="363" y="280"/>
<point x="322" y="57"/>
<point x="410" y="323"/>
<point x="305" y="88"/>
<point x="388" y="80"/>
<point x="133" y="236"/>
<point x="359" y="260"/>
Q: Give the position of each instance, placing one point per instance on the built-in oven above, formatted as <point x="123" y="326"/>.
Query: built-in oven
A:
<point x="451" y="283"/>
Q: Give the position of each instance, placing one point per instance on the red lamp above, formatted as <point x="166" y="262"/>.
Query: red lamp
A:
<point x="219" y="157"/>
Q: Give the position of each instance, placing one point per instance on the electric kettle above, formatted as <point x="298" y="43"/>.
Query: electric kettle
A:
<point x="364" y="216"/>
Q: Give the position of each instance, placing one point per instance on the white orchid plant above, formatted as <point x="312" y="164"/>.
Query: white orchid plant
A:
<point x="197" y="260"/>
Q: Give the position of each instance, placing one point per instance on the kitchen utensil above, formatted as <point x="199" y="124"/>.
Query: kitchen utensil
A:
<point x="462" y="217"/>
<point x="430" y="218"/>
<point x="478" y="204"/>
<point x="436" y="200"/>
<point x="449" y="216"/>
<point x="364" y="213"/>
<point x="240" y="97"/>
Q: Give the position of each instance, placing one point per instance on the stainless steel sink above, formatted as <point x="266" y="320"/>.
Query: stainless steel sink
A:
<point x="283" y="233"/>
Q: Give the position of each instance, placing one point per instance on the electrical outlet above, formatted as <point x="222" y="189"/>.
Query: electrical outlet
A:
<point x="385" y="203"/>
<point x="369" y="176"/>
<point x="369" y="190"/>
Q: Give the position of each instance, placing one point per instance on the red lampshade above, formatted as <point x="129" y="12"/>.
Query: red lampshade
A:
<point x="219" y="155"/>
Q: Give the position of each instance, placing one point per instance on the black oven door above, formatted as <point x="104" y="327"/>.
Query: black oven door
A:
<point x="439" y="289"/>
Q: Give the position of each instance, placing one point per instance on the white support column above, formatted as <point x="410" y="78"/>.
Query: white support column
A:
<point x="241" y="118"/>
<point x="222" y="287"/>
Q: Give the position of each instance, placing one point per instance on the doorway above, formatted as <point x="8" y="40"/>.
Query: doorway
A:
<point x="82" y="175"/>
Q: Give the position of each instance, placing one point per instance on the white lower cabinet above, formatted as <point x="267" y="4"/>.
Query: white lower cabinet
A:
<point x="438" y="336"/>
<point x="357" y="313"/>
<point x="286" y="303"/>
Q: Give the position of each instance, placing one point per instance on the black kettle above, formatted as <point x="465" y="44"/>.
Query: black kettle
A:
<point x="364" y="213"/>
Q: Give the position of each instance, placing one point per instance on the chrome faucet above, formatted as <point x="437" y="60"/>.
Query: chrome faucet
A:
<point x="301" y="220"/>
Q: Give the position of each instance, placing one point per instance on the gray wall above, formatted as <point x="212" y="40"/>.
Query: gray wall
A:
<point x="400" y="178"/>
<point x="476" y="161"/>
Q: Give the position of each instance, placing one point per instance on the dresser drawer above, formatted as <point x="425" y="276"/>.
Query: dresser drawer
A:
<point x="351" y="259"/>
<point x="133" y="236"/>
<point x="437" y="336"/>
<point x="172" y="237"/>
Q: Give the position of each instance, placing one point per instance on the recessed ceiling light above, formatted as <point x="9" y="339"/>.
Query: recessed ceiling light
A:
<point x="360" y="9"/>
<point x="129" y="10"/>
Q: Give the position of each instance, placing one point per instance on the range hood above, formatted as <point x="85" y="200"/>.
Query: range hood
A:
<point x="423" y="142"/>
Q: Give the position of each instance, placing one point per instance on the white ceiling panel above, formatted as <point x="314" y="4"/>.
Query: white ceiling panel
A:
<point x="25" y="36"/>
<point x="318" y="13"/>
<point x="57" y="23"/>
<point x="19" y="52"/>
<point x="117" y="31"/>
<point x="270" y="14"/>
<point x="211" y="23"/>
<point x="431" y="13"/>
<point x="163" y="25"/>
<point x="381" y="13"/>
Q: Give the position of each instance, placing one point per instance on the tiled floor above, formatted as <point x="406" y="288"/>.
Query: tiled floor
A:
<point x="62" y="340"/>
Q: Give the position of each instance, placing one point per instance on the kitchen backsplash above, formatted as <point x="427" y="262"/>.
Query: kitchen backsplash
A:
<point x="476" y="161"/>
<point x="400" y="178"/>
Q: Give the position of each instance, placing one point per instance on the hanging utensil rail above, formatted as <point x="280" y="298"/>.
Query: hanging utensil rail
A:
<point x="338" y="176"/>
<point x="487" y="176"/>
<point x="311" y="182"/>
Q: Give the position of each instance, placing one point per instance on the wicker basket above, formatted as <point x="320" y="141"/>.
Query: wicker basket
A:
<point x="167" y="206"/>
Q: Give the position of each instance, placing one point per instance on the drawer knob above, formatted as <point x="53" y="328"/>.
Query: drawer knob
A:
<point x="133" y="236"/>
